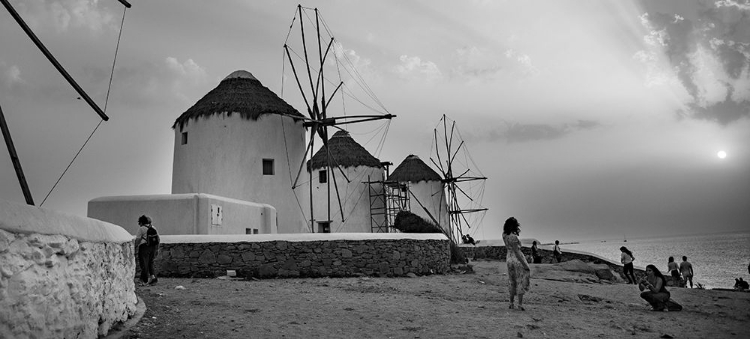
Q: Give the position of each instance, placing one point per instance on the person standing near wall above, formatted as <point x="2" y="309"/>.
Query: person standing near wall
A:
<point x="146" y="249"/>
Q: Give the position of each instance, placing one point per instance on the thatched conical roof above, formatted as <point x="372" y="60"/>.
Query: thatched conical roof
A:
<point x="240" y="92"/>
<point x="413" y="169"/>
<point x="345" y="152"/>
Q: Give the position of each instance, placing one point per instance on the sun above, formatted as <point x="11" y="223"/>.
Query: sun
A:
<point x="721" y="154"/>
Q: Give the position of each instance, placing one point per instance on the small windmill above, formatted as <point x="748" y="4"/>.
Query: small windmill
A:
<point x="463" y="183"/>
<point x="311" y="81"/>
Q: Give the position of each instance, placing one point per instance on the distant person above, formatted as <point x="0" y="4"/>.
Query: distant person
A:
<point x="626" y="258"/>
<point x="740" y="284"/>
<point x="654" y="289"/>
<point x="686" y="269"/>
<point x="557" y="252"/>
<point x="535" y="257"/>
<point x="518" y="269"/>
<point x="468" y="239"/>
<point x="674" y="271"/>
<point x="146" y="249"/>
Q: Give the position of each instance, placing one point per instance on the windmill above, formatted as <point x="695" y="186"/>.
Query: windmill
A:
<point x="463" y="183"/>
<point x="311" y="64"/>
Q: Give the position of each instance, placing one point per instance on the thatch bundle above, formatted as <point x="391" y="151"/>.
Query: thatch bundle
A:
<point x="413" y="169"/>
<point x="409" y="222"/>
<point x="238" y="93"/>
<point x="345" y="152"/>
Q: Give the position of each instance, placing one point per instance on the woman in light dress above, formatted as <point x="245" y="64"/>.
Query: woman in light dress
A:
<point x="518" y="268"/>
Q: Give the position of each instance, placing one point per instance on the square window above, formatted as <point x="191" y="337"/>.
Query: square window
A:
<point x="184" y="138"/>
<point x="324" y="227"/>
<point x="323" y="176"/>
<point x="255" y="231"/>
<point x="248" y="231"/>
<point x="268" y="167"/>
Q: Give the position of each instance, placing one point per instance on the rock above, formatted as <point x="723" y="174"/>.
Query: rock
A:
<point x="179" y="287"/>
<point x="605" y="274"/>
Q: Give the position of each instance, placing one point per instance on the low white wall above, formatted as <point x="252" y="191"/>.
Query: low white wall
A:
<point x="185" y="213"/>
<point x="62" y="276"/>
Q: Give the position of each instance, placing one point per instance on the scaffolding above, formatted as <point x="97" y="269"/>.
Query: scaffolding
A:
<point x="387" y="198"/>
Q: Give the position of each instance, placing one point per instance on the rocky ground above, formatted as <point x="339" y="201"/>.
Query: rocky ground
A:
<point x="564" y="302"/>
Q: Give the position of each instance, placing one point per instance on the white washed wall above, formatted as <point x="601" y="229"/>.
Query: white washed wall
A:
<point x="62" y="276"/>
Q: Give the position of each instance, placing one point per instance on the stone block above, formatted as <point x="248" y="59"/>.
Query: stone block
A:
<point x="224" y="259"/>
<point x="345" y="253"/>
<point x="248" y="256"/>
<point x="207" y="257"/>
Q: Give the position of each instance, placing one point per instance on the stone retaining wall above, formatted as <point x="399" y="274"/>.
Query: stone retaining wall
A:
<point x="62" y="276"/>
<point x="499" y="253"/>
<point x="303" y="255"/>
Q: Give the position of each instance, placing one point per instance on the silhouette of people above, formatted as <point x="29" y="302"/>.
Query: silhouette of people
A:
<point x="535" y="257"/>
<point x="468" y="239"/>
<point x="686" y="268"/>
<point x="741" y="284"/>
<point x="146" y="249"/>
<point x="626" y="258"/>
<point x="673" y="270"/>
<point x="518" y="269"/>
<point x="557" y="252"/>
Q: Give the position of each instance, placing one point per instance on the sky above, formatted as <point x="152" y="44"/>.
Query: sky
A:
<point x="590" y="119"/>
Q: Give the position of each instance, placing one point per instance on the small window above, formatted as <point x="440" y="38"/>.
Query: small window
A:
<point x="248" y="231"/>
<point x="255" y="231"/>
<point x="184" y="138"/>
<point x="268" y="167"/>
<point x="324" y="227"/>
<point x="323" y="176"/>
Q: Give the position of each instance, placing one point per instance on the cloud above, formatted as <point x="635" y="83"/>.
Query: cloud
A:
<point x="526" y="67"/>
<point x="514" y="132"/>
<point x="709" y="56"/>
<point x="62" y="15"/>
<point x="161" y="83"/>
<point x="413" y="68"/>
<point x="475" y="62"/>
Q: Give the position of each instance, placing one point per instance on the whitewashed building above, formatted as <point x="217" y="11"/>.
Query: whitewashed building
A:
<point x="353" y="168"/>
<point x="426" y="194"/>
<point x="236" y="152"/>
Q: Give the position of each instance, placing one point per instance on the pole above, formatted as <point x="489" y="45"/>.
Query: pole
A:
<point x="14" y="159"/>
<point x="52" y="59"/>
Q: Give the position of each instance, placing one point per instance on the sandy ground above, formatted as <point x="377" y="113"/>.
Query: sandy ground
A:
<point x="561" y="304"/>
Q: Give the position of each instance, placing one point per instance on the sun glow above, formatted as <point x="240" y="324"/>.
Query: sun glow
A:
<point x="721" y="154"/>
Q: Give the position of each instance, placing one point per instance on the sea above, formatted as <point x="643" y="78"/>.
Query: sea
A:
<point x="718" y="259"/>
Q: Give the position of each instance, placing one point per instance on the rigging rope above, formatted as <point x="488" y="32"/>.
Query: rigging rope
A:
<point x="106" y="101"/>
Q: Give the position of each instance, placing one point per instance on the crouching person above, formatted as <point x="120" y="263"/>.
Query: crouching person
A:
<point x="654" y="288"/>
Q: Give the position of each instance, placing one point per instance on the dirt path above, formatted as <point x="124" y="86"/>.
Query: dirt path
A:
<point x="561" y="304"/>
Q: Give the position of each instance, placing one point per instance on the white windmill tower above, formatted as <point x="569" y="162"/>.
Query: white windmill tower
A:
<point x="242" y="141"/>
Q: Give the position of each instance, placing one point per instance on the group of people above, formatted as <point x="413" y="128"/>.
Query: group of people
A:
<point x="536" y="256"/>
<point x="146" y="249"/>
<point x="652" y="285"/>
<point x="678" y="272"/>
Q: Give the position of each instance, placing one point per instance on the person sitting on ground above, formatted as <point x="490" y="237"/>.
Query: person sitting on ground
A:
<point x="673" y="270"/>
<point x="686" y="269"/>
<point x="654" y="284"/>
<point x="535" y="257"/>
<point x="741" y="284"/>
<point x="470" y="240"/>
<point x="627" y="264"/>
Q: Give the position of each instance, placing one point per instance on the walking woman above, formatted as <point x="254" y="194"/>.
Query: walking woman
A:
<point x="518" y="268"/>
<point x="627" y="263"/>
